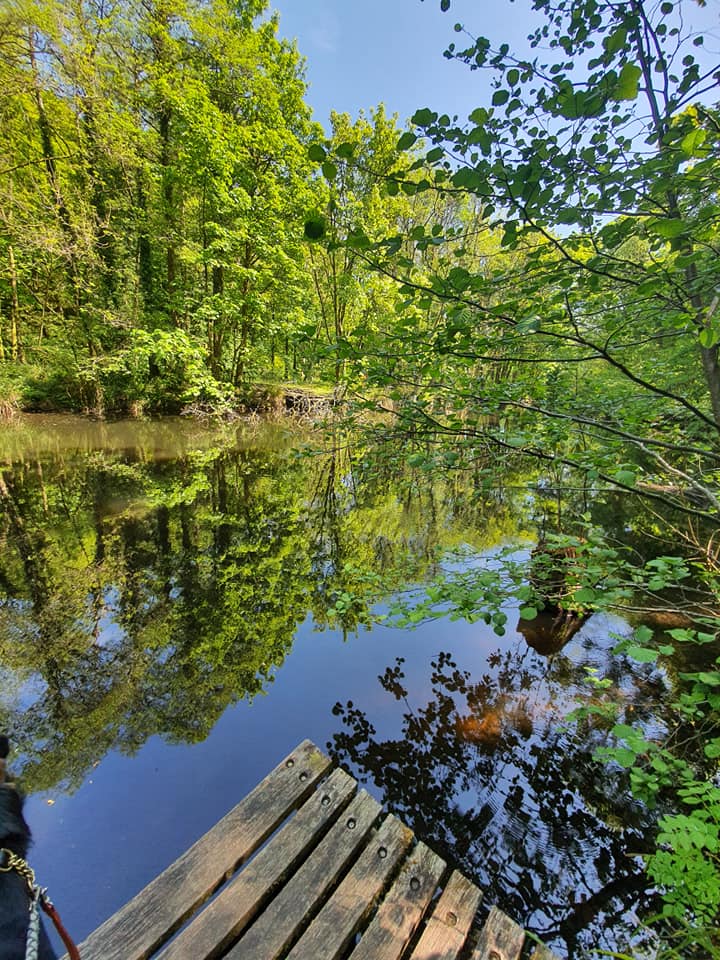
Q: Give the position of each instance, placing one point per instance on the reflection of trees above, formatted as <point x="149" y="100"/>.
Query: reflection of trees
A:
<point x="377" y="526"/>
<point x="153" y="620"/>
<point x="486" y="774"/>
<point x="142" y="594"/>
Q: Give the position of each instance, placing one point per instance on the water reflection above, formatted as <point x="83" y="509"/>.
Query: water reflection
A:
<point x="487" y="772"/>
<point x="152" y="575"/>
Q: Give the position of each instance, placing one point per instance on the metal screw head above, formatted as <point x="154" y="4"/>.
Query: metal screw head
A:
<point x="290" y="763"/>
<point x="414" y="883"/>
<point x="325" y="801"/>
<point x="303" y="777"/>
<point x="351" y="823"/>
<point x="382" y="853"/>
<point x="451" y="919"/>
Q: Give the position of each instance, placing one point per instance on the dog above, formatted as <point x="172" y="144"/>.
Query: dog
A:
<point x="14" y="899"/>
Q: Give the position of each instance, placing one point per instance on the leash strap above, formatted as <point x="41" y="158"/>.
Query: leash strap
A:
<point x="49" y="908"/>
<point x="38" y="897"/>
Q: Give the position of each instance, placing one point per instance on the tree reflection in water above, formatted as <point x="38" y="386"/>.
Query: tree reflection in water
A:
<point x="487" y="773"/>
<point x="153" y="574"/>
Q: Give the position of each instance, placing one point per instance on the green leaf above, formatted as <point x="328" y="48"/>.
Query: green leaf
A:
<point x="329" y="170"/>
<point x="625" y="731"/>
<point x="500" y="97"/>
<point x="584" y="595"/>
<point x="423" y="117"/>
<point x="466" y="177"/>
<point x="622" y="756"/>
<point x="512" y="77"/>
<point x="628" y="82"/>
<point x="693" y="141"/>
<point x="666" y="228"/>
<point x="528" y="613"/>
<point x="317" y="152"/>
<point x="708" y="338"/>
<point x="625" y="477"/>
<point x="641" y="654"/>
<point x="615" y="41"/>
<point x="315" y="228"/>
<point x="479" y="116"/>
<point x="406" y="140"/>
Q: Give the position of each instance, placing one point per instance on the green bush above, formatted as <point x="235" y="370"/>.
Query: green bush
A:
<point x="159" y="371"/>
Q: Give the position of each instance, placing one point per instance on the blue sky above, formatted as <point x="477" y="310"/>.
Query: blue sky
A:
<point x="362" y="52"/>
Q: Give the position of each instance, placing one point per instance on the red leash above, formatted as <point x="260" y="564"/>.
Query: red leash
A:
<point x="50" y="910"/>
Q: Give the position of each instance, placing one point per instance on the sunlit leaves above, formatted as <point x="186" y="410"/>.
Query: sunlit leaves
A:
<point x="628" y="82"/>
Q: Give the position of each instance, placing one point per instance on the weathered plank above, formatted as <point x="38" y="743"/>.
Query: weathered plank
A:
<point x="446" y="932"/>
<point x="144" y="923"/>
<point x="500" y="939"/>
<point x="403" y="908"/>
<point x="340" y="918"/>
<point x="222" y="921"/>
<point x="284" y="918"/>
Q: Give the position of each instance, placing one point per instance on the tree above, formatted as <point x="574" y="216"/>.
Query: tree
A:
<point x="594" y="344"/>
<point x="351" y="300"/>
<point x="155" y="177"/>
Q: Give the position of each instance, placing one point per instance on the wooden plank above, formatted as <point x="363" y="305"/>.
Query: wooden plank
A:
<point x="144" y="923"/>
<point x="403" y="908"/>
<point x="500" y="939"/>
<point x="280" y="924"/>
<point x="446" y="932"/>
<point x="222" y="921"/>
<point x="343" y="914"/>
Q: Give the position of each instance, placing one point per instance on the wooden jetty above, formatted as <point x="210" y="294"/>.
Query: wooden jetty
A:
<point x="308" y="867"/>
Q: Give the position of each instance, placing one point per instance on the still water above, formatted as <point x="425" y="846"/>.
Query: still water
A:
<point x="181" y="604"/>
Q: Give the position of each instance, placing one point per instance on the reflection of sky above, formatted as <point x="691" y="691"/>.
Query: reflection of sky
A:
<point x="132" y="816"/>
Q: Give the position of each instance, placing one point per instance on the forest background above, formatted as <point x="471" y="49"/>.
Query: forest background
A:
<point x="536" y="280"/>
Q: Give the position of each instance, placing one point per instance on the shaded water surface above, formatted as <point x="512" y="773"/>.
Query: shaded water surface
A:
<point x="181" y="604"/>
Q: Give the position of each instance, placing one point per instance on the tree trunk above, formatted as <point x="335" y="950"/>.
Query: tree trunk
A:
<point x="16" y="348"/>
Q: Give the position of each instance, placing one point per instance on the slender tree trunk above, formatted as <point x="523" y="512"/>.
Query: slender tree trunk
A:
<point x="16" y="348"/>
<point x="168" y="193"/>
<point x="105" y="243"/>
<point x="660" y="110"/>
<point x="144" y="251"/>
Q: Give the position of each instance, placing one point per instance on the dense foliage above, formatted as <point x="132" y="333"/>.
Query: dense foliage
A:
<point x="153" y="192"/>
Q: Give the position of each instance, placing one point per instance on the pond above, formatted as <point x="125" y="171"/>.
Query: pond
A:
<point x="181" y="604"/>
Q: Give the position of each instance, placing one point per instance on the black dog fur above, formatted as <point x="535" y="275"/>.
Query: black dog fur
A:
<point x="14" y="901"/>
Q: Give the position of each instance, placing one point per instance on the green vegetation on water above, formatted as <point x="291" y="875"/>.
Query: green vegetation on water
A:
<point x="537" y="281"/>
